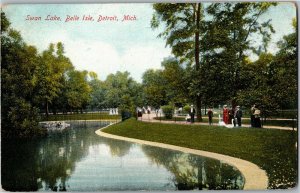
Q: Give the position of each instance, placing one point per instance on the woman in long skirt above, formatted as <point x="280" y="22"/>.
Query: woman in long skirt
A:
<point x="225" y="115"/>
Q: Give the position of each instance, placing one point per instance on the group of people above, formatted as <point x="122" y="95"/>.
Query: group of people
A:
<point x="143" y="110"/>
<point x="113" y="111"/>
<point x="190" y="117"/>
<point x="232" y="116"/>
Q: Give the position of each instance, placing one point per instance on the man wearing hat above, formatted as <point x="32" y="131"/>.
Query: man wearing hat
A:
<point x="238" y="115"/>
<point x="193" y="111"/>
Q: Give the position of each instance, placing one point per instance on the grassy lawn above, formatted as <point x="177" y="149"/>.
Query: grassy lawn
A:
<point x="283" y="123"/>
<point x="80" y="116"/>
<point x="273" y="150"/>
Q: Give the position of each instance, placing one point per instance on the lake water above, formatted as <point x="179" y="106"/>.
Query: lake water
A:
<point x="79" y="160"/>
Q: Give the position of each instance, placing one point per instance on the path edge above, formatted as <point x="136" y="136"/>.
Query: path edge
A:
<point x="255" y="177"/>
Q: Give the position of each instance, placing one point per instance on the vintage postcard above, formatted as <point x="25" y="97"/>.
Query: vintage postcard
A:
<point x="149" y="96"/>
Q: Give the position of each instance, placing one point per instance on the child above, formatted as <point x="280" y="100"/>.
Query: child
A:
<point x="188" y="118"/>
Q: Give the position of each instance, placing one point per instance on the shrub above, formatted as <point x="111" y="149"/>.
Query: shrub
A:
<point x="186" y="109"/>
<point x="20" y="120"/>
<point x="168" y="111"/>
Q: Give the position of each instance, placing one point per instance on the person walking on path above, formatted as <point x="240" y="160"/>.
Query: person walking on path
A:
<point x="257" y="122"/>
<point x="231" y="116"/>
<point x="193" y="111"/>
<point x="210" y="115"/>
<point x="238" y="115"/>
<point x="252" y="115"/>
<point x="225" y="115"/>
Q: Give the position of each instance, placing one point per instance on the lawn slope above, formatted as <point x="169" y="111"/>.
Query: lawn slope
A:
<point x="272" y="150"/>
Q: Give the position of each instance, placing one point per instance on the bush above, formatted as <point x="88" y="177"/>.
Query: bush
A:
<point x="186" y="109"/>
<point x="168" y="111"/>
<point x="20" y="120"/>
<point x="125" y="115"/>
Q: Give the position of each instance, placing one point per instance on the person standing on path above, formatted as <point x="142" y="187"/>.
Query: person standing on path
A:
<point x="225" y="115"/>
<point x="238" y="115"/>
<point x="257" y="122"/>
<point x="252" y="115"/>
<point x="210" y="115"/>
<point x="193" y="111"/>
<point x="231" y="116"/>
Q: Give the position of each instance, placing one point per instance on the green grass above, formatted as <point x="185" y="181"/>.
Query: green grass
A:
<point x="282" y="123"/>
<point x="81" y="116"/>
<point x="272" y="150"/>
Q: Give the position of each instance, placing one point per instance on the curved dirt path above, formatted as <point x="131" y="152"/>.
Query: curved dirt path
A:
<point x="151" y="118"/>
<point x="255" y="178"/>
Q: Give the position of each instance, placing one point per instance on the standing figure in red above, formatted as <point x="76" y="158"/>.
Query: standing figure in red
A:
<point x="225" y="114"/>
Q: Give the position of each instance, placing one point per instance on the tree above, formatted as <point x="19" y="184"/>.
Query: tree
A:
<point x="272" y="80"/>
<point x="116" y="86"/>
<point x="136" y="93"/>
<point x="260" y="91"/>
<point x="4" y="23"/>
<point x="97" y="92"/>
<point x="177" y="81"/>
<point x="284" y="71"/>
<point x="78" y="90"/>
<point x="19" y="117"/>
<point x="51" y="75"/>
<point x="121" y="91"/>
<point x="229" y="35"/>
<point x="154" y="88"/>
<point x="182" y="32"/>
<point x="224" y="29"/>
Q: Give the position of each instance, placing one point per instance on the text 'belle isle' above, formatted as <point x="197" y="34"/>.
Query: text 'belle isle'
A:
<point x="86" y="18"/>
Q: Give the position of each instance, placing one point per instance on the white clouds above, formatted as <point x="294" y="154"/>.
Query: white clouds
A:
<point x="99" y="57"/>
<point x="139" y="58"/>
<point x="103" y="58"/>
<point x="105" y="47"/>
<point x="112" y="46"/>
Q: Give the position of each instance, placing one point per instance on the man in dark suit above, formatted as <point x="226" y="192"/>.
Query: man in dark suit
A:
<point x="238" y="116"/>
<point x="193" y="111"/>
<point x="210" y="115"/>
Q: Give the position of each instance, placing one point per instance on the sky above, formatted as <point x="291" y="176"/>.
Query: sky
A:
<point x="109" y="46"/>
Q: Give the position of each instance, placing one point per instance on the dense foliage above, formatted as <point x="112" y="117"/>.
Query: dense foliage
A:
<point x="117" y="91"/>
<point x="210" y="66"/>
<point x="35" y="84"/>
<point x="168" y="111"/>
<point x="19" y="117"/>
<point x="213" y="44"/>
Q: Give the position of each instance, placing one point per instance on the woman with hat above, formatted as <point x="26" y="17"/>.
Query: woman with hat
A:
<point x="225" y="114"/>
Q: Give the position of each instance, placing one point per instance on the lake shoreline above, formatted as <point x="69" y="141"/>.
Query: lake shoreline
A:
<point x="255" y="178"/>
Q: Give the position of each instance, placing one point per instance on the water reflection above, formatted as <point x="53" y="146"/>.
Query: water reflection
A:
<point x="49" y="162"/>
<point x="195" y="172"/>
<point x="117" y="148"/>
<point x="79" y="160"/>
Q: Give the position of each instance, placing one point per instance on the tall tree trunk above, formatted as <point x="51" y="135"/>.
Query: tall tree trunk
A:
<point x="47" y="108"/>
<point x="197" y="60"/>
<point x="197" y="35"/>
<point x="198" y="105"/>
